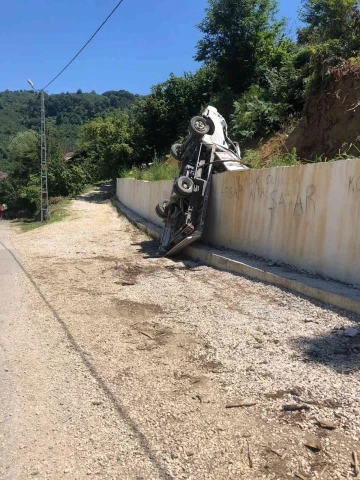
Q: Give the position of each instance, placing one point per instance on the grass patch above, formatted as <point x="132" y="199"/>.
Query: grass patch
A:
<point x="58" y="212"/>
<point x="254" y="159"/>
<point x="157" y="172"/>
<point x="285" y="160"/>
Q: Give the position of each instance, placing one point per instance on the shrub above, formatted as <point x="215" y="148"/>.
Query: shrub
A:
<point x="156" y="172"/>
<point x="256" y="114"/>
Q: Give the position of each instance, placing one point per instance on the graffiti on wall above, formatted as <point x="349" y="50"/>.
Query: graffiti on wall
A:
<point x="299" y="203"/>
<point x="354" y="184"/>
<point x="279" y="193"/>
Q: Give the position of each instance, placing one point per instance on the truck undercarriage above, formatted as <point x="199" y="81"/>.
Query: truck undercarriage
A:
<point x="207" y="150"/>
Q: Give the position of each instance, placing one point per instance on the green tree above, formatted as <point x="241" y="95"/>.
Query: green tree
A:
<point x="18" y="190"/>
<point x="107" y="144"/>
<point x="331" y="20"/>
<point x="256" y="112"/>
<point x="30" y="194"/>
<point x="24" y="154"/>
<point x="57" y="167"/>
<point x="241" y="37"/>
<point x="264" y="107"/>
<point x="8" y="193"/>
<point x="332" y="35"/>
<point x="20" y="110"/>
<point x="162" y="117"/>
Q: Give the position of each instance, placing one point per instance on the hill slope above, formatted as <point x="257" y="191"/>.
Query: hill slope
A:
<point x="330" y="125"/>
<point x="65" y="111"/>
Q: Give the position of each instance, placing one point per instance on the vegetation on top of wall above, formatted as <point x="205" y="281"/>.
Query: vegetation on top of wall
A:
<point x="155" y="172"/>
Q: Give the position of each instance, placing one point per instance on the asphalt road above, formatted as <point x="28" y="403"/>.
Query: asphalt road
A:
<point x="10" y="300"/>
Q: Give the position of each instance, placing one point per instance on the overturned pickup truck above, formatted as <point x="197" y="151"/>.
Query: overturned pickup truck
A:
<point x="205" y="151"/>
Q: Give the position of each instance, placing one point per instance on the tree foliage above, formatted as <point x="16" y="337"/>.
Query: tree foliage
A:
<point x="21" y="189"/>
<point x="332" y="35"/>
<point x="332" y="20"/>
<point x="66" y="112"/>
<point x="241" y="38"/>
<point x="249" y="69"/>
<point x="163" y="116"/>
<point x="106" y="144"/>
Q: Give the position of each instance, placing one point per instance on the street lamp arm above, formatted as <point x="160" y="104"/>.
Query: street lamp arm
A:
<point x="31" y="84"/>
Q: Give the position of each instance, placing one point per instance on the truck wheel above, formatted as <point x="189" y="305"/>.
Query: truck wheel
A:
<point x="184" y="186"/>
<point x="198" y="126"/>
<point x="175" y="151"/>
<point x="211" y="126"/>
<point x="161" y="209"/>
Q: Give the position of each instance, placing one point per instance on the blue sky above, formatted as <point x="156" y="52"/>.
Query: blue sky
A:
<point x="140" y="45"/>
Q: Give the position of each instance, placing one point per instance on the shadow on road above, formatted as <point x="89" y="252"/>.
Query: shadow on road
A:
<point x="101" y="194"/>
<point x="150" y="249"/>
<point x="336" y="349"/>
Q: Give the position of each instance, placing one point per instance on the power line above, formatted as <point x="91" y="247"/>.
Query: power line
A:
<point x="86" y="44"/>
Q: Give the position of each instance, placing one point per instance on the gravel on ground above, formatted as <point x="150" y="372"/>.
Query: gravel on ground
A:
<point x="118" y="364"/>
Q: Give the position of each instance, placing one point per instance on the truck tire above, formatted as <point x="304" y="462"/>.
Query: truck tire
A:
<point x="161" y="209"/>
<point x="184" y="186"/>
<point x="175" y="151"/>
<point x="199" y="127"/>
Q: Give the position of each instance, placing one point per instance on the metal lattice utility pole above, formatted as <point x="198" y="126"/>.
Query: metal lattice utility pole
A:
<point x="44" y="195"/>
<point x="45" y="212"/>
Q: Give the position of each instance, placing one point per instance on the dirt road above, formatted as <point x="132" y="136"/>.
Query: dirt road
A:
<point x="119" y="365"/>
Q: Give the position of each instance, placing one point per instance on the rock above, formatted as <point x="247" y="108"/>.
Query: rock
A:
<point x="351" y="332"/>
<point x="314" y="444"/>
<point x="326" y="424"/>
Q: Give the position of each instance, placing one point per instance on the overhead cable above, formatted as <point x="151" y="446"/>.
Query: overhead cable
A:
<point x="86" y="44"/>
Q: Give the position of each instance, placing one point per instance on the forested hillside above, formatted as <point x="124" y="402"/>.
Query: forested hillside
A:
<point x="65" y="113"/>
<point x="259" y="76"/>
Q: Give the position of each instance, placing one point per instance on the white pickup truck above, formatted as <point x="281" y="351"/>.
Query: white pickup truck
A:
<point x="206" y="150"/>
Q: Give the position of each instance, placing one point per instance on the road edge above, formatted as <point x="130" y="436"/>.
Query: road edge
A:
<point x="224" y="262"/>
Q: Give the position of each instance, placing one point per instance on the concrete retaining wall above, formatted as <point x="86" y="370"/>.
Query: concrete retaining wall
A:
<point x="307" y="216"/>
<point x="142" y="197"/>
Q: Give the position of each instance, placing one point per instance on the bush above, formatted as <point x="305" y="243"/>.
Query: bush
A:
<point x="285" y="160"/>
<point x="156" y="172"/>
<point x="253" y="159"/>
<point x="255" y="114"/>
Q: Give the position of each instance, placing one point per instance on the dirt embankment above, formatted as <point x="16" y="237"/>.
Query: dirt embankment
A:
<point x="331" y="123"/>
